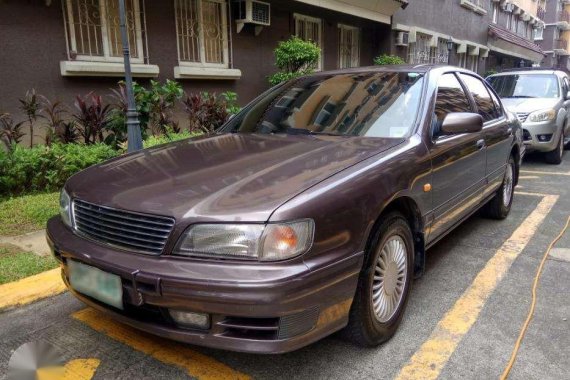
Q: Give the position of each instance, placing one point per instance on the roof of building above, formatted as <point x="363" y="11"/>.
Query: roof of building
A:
<point x="513" y="38"/>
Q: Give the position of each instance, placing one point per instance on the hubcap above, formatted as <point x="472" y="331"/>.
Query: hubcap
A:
<point x="389" y="278"/>
<point x="508" y="186"/>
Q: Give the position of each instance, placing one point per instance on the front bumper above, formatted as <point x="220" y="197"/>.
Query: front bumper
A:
<point x="253" y="307"/>
<point x="531" y="131"/>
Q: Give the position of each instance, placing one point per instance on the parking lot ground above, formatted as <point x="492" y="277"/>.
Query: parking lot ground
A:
<point x="462" y="320"/>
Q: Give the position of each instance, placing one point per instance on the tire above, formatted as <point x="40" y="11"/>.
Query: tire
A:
<point x="369" y="328"/>
<point x="500" y="206"/>
<point x="555" y="157"/>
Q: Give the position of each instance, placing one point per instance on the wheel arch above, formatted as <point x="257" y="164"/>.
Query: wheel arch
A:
<point x="515" y="152"/>
<point x="409" y="209"/>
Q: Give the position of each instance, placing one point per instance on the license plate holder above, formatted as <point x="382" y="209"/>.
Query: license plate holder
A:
<point x="93" y="282"/>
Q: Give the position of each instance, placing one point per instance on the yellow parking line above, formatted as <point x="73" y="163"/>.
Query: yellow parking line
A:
<point x="31" y="289"/>
<point x="544" y="173"/>
<point x="169" y="352"/>
<point x="432" y="356"/>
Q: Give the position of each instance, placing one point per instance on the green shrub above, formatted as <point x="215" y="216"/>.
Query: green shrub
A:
<point x="43" y="168"/>
<point x="386" y="59"/>
<point x="169" y="137"/>
<point x="294" y="57"/>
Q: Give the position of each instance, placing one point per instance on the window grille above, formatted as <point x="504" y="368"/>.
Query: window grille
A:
<point x="202" y="32"/>
<point x="93" y="30"/>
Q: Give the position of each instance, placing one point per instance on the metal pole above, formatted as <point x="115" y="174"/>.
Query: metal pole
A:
<point x="134" y="137"/>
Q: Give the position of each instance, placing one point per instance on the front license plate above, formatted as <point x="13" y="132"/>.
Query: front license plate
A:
<point x="95" y="283"/>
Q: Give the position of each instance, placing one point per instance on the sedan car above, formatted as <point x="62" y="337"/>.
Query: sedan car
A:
<point x="308" y="212"/>
<point x="540" y="99"/>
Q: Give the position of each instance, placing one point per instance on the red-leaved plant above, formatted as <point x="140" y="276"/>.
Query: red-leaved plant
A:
<point x="92" y="117"/>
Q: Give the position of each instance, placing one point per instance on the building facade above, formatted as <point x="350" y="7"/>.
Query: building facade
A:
<point x="556" y="34"/>
<point x="69" y="47"/>
<point x="479" y="35"/>
<point x="513" y="27"/>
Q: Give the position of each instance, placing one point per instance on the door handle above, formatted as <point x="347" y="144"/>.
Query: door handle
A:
<point x="480" y="144"/>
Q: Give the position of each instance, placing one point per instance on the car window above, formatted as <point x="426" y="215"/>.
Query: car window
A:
<point x="374" y="104"/>
<point x="525" y="85"/>
<point x="496" y="101"/>
<point x="485" y="105"/>
<point x="450" y="98"/>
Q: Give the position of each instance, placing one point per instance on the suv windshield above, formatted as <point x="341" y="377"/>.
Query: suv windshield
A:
<point x="380" y="104"/>
<point x="525" y="85"/>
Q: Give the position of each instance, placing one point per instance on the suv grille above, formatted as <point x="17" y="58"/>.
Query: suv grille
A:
<point x="123" y="229"/>
<point x="522" y="116"/>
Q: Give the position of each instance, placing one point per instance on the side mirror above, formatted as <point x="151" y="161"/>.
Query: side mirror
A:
<point x="567" y="97"/>
<point x="461" y="122"/>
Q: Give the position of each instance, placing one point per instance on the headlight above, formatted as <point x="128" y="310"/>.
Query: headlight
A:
<point x="269" y="242"/>
<point x="65" y="208"/>
<point x="544" y="115"/>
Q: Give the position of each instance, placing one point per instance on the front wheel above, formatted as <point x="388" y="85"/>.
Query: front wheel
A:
<point x="500" y="206"/>
<point x="555" y="157"/>
<point x="384" y="284"/>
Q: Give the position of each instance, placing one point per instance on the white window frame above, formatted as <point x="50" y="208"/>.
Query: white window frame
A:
<point x="355" y="52"/>
<point x="421" y="51"/>
<point x="106" y="57"/>
<point x="201" y="41"/>
<point x="538" y="36"/>
<point x="298" y="18"/>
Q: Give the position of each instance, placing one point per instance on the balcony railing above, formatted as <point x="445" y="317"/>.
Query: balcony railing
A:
<point x="561" y="44"/>
<point x="541" y="13"/>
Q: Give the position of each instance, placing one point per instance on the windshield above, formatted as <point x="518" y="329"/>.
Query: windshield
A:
<point x="525" y="86"/>
<point x="382" y="104"/>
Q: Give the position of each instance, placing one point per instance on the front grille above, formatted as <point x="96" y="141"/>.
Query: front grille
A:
<point x="522" y="116"/>
<point x="285" y="327"/>
<point x="131" y="231"/>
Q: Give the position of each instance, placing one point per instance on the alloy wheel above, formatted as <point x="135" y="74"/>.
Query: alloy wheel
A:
<point x="389" y="280"/>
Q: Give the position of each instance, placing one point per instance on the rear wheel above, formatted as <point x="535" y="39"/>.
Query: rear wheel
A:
<point x="555" y="157"/>
<point x="500" y="206"/>
<point x="384" y="284"/>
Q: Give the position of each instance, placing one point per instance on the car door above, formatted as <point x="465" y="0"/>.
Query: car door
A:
<point x="497" y="132"/>
<point x="458" y="161"/>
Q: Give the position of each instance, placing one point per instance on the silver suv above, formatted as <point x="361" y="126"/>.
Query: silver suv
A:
<point x="541" y="100"/>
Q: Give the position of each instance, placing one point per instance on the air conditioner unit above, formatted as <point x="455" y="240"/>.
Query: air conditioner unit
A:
<point x="253" y="12"/>
<point x="402" y="38"/>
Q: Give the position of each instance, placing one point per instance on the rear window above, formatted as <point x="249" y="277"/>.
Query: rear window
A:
<point x="525" y="85"/>
<point x="383" y="104"/>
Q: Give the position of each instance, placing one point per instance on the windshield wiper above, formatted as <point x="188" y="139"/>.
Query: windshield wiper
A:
<point x="300" y="131"/>
<point x="521" y="96"/>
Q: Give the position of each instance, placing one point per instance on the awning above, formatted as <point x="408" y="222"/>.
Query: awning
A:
<point x="506" y="42"/>
<point x="376" y="10"/>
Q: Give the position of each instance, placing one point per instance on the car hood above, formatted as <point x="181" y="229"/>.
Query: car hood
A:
<point x="231" y="177"/>
<point x="527" y="105"/>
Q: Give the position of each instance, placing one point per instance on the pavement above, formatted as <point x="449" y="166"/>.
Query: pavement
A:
<point x="462" y="319"/>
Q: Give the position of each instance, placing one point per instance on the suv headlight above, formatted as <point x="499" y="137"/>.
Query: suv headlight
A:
<point x="65" y="208"/>
<point x="265" y="242"/>
<point x="543" y="115"/>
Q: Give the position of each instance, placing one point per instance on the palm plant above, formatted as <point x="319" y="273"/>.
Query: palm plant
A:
<point x="31" y="106"/>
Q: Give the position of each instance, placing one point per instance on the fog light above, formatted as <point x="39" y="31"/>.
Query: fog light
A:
<point x="544" y="138"/>
<point x="190" y="319"/>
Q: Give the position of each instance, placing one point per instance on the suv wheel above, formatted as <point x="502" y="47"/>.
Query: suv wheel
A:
<point x="555" y="157"/>
<point x="500" y="206"/>
<point x="384" y="284"/>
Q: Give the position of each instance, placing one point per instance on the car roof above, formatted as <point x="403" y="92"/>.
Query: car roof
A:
<point x="530" y="72"/>
<point x="421" y="68"/>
